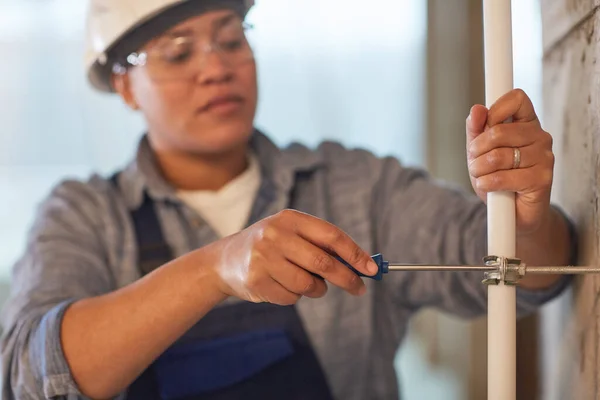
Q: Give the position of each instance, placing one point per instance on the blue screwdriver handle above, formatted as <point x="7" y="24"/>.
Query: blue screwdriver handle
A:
<point x="383" y="267"/>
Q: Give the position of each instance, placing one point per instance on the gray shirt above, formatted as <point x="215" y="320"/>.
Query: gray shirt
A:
<point x="82" y="245"/>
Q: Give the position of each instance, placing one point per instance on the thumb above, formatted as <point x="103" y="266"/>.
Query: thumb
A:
<point x="476" y="122"/>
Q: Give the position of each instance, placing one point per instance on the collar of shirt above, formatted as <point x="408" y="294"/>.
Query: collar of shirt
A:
<point x="278" y="169"/>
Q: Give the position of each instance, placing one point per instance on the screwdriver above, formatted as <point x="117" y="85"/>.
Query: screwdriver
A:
<point x="385" y="267"/>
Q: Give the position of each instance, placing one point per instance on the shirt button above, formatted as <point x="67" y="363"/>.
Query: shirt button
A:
<point x="196" y="222"/>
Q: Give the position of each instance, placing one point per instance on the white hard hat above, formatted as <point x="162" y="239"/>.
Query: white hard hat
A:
<point x="115" y="26"/>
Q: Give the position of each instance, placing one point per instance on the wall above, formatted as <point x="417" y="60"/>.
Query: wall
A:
<point x="571" y="329"/>
<point x="443" y="356"/>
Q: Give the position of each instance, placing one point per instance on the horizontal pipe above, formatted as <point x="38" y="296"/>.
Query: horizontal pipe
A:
<point x="566" y="270"/>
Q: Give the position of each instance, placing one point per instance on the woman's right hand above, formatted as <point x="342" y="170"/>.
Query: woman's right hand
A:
<point x="274" y="260"/>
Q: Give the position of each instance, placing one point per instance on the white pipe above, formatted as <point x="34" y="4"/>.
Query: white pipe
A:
<point x="501" y="212"/>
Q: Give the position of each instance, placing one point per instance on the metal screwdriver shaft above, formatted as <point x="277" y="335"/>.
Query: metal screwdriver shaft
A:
<point x="454" y="268"/>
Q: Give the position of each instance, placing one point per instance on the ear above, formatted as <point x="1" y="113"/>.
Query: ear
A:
<point x="122" y="85"/>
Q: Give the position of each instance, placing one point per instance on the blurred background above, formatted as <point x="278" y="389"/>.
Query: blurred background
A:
<point x="394" y="76"/>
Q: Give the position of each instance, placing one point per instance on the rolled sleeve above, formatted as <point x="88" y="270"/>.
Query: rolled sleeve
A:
<point x="422" y="221"/>
<point x="48" y="354"/>
<point x="529" y="300"/>
<point x="34" y="365"/>
<point x="64" y="262"/>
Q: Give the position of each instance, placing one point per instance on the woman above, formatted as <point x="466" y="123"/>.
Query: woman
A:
<point x="202" y="269"/>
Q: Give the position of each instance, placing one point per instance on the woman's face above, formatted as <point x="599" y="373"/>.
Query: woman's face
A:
<point x="197" y="89"/>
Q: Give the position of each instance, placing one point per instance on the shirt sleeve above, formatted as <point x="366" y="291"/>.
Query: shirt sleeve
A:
<point x="64" y="261"/>
<point x="419" y="220"/>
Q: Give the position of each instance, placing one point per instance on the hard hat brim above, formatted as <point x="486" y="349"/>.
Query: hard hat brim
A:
<point x="100" y="72"/>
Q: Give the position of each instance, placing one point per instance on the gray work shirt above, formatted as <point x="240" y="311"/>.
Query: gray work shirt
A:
<point x="82" y="245"/>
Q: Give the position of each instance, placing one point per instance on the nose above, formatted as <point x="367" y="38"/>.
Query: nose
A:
<point x="213" y="67"/>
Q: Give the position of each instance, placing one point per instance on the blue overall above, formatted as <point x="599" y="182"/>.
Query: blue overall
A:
<point x="239" y="351"/>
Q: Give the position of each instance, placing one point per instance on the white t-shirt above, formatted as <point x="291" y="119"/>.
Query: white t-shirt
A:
<point x="228" y="209"/>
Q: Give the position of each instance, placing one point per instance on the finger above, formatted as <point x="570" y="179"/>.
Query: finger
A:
<point x="476" y="122"/>
<point x="271" y="291"/>
<point x="507" y="135"/>
<point x="503" y="159"/>
<point x="514" y="104"/>
<point x="297" y="280"/>
<point x="333" y="240"/>
<point x="523" y="180"/>
<point x="314" y="259"/>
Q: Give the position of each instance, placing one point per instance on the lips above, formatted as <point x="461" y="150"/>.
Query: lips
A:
<point x="225" y="102"/>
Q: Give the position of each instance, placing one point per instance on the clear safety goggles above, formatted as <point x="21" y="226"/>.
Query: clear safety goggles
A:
<point x="183" y="56"/>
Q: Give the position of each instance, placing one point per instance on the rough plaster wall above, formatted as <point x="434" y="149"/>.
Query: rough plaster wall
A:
<point x="571" y="106"/>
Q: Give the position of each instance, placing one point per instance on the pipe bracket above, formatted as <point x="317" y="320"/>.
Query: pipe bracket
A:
<point x="508" y="270"/>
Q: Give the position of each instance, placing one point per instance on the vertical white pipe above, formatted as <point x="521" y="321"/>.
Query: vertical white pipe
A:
<point x="501" y="212"/>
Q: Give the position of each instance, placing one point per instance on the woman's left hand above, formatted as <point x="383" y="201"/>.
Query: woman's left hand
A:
<point x="514" y="156"/>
